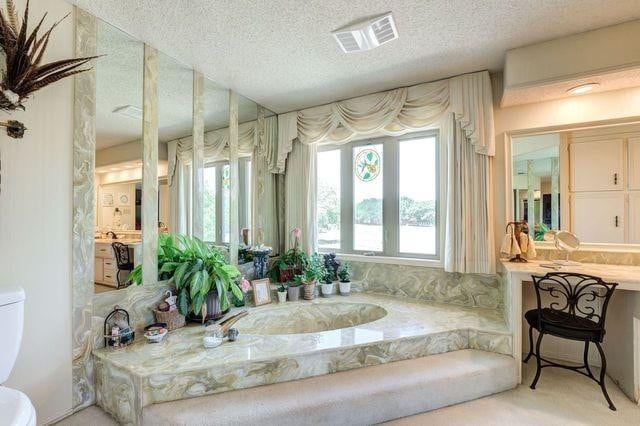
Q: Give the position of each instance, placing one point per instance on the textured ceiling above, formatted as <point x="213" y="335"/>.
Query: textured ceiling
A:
<point x="280" y="53"/>
<point x="119" y="83"/>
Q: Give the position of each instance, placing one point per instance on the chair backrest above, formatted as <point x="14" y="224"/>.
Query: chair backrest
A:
<point x="122" y="254"/>
<point x="575" y="294"/>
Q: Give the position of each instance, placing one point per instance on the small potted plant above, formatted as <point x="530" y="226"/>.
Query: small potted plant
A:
<point x="327" y="284"/>
<point x="345" y="280"/>
<point x="293" y="290"/>
<point x="282" y="293"/>
<point x="313" y="272"/>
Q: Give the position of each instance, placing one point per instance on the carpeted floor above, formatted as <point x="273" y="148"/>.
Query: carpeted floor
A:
<point x="561" y="398"/>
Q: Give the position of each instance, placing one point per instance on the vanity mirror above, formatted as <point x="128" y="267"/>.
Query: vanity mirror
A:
<point x="584" y="180"/>
<point x="118" y="157"/>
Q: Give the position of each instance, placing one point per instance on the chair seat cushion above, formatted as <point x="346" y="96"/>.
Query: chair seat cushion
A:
<point x="566" y="325"/>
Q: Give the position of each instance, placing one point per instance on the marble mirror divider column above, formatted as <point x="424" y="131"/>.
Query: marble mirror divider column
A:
<point x="89" y="309"/>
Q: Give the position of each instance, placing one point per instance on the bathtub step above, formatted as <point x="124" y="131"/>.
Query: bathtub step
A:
<point x="363" y="396"/>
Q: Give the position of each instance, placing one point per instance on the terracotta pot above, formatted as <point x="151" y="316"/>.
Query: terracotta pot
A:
<point x="294" y="293"/>
<point x="309" y="290"/>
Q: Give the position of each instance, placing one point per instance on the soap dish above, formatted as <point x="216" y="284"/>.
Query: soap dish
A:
<point x="155" y="333"/>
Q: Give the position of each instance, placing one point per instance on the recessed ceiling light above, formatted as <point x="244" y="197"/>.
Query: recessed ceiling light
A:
<point x="367" y="35"/>
<point x="583" y="88"/>
<point x="129" y="111"/>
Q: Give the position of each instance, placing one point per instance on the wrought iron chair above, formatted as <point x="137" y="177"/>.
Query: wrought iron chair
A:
<point x="123" y="260"/>
<point x="571" y="314"/>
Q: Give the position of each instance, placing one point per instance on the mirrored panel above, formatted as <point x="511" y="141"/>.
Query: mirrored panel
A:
<point x="585" y="181"/>
<point x="247" y="140"/>
<point x="175" y="128"/>
<point x="118" y="157"/>
<point x="536" y="182"/>
<point x="216" y="160"/>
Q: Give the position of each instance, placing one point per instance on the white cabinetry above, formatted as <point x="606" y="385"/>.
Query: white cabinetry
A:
<point x="597" y="165"/>
<point x="598" y="217"/>
<point x="634" y="163"/>
<point x="634" y="217"/>
<point x="105" y="265"/>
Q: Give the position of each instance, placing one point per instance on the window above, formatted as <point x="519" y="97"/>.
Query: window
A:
<point x="380" y="196"/>
<point x="217" y="199"/>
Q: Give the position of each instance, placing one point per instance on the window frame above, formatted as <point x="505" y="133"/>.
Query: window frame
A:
<point x="390" y="197"/>
<point x="244" y="216"/>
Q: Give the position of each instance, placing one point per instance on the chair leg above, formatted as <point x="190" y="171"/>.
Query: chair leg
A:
<point x="586" y="359"/>
<point x="530" y="345"/>
<point x="118" y="277"/>
<point x="538" y="363"/>
<point x="602" y="376"/>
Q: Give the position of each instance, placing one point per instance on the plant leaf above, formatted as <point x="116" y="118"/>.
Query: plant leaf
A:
<point x="183" y="302"/>
<point x="178" y="276"/>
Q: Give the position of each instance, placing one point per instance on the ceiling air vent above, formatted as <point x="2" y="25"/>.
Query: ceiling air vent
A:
<point x="367" y="35"/>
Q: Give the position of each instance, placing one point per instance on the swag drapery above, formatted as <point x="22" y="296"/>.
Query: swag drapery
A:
<point x="258" y="139"/>
<point x="462" y="107"/>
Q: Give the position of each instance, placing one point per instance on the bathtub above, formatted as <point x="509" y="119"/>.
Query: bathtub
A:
<point x="296" y="318"/>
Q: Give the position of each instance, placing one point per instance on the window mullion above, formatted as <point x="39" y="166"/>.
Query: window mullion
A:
<point x="218" y="222"/>
<point x="390" y="197"/>
<point x="346" y="198"/>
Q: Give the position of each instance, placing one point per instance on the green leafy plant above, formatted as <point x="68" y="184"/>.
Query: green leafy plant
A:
<point x="196" y="270"/>
<point x="293" y="259"/>
<point x="344" y="273"/>
<point x="313" y="271"/>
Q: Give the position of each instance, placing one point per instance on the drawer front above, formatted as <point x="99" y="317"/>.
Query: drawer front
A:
<point x="104" y="251"/>
<point x="109" y="265"/>
<point x="109" y="277"/>
<point x="98" y="269"/>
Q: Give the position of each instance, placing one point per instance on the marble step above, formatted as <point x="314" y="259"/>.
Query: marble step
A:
<point x="363" y="396"/>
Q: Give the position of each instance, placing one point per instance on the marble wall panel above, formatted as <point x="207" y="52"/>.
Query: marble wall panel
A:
<point x="588" y="256"/>
<point x="431" y="284"/>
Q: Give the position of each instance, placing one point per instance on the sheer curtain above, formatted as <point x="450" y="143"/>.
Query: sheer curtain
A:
<point x="462" y="106"/>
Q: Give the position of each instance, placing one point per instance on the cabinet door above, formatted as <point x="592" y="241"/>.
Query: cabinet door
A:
<point x="97" y="270"/>
<point x="634" y="217"/>
<point x="597" y="165"/>
<point x="598" y="217"/>
<point x="634" y="163"/>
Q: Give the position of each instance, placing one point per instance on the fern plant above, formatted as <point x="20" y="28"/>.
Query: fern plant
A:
<point x="196" y="270"/>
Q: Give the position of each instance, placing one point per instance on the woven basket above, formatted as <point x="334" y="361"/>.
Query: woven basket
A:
<point x="173" y="319"/>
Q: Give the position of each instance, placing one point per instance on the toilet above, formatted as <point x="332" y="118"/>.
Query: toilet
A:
<point x="15" y="407"/>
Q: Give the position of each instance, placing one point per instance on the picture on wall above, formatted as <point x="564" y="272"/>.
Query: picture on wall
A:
<point x="123" y="199"/>
<point x="107" y="200"/>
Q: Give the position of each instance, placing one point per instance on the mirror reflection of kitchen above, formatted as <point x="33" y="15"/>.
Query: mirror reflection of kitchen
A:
<point x="536" y="182"/>
<point x="118" y="172"/>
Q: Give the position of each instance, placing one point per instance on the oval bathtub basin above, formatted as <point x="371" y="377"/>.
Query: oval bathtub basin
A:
<point x="309" y="318"/>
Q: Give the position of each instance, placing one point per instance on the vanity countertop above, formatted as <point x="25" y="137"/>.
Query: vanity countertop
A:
<point x="627" y="277"/>
<point x="127" y="241"/>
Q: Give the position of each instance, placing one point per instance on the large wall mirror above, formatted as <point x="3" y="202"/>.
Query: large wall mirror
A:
<point x="118" y="157"/>
<point x="586" y="181"/>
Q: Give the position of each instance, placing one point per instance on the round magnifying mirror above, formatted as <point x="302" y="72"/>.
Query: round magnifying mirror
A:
<point x="568" y="243"/>
<point x="549" y="235"/>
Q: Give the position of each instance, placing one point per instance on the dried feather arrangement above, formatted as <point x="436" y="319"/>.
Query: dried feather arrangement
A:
<point x="24" y="72"/>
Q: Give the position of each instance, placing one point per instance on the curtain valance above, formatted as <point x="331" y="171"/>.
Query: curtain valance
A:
<point x="395" y="112"/>
<point x="216" y="145"/>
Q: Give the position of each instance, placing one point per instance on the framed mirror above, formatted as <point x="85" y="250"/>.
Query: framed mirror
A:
<point x="118" y="157"/>
<point x="584" y="180"/>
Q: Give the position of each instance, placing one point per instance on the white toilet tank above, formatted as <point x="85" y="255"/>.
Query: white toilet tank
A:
<point x="11" y="322"/>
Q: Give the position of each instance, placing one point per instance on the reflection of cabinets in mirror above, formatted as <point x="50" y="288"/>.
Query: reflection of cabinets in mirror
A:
<point x="604" y="170"/>
<point x="105" y="267"/>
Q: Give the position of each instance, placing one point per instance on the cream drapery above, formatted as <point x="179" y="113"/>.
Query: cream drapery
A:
<point x="466" y="100"/>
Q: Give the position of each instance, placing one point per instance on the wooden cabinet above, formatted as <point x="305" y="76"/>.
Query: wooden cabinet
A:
<point x="598" y="217"/>
<point x="106" y="268"/>
<point x="597" y="165"/>
<point x="634" y="217"/>
<point x="633" y="163"/>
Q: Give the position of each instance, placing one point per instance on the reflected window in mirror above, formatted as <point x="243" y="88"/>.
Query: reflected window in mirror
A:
<point x="536" y="189"/>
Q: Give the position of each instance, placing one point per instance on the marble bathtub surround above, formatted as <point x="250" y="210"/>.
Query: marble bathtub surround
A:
<point x="142" y="374"/>
<point x="428" y="284"/>
<point x="84" y="142"/>
<point x="588" y="256"/>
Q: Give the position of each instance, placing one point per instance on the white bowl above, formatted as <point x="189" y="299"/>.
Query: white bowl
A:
<point x="156" y="338"/>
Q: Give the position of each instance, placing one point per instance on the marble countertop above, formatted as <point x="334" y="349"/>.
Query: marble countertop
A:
<point x="627" y="277"/>
<point x="183" y="350"/>
<point x="128" y="241"/>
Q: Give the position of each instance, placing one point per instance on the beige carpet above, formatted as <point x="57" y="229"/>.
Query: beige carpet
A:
<point x="562" y="398"/>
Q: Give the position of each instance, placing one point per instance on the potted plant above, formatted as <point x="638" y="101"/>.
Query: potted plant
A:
<point x="293" y="291"/>
<point x="345" y="280"/>
<point x="327" y="284"/>
<point x="313" y="272"/>
<point x="201" y="274"/>
<point x="282" y="293"/>
<point x="290" y="263"/>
